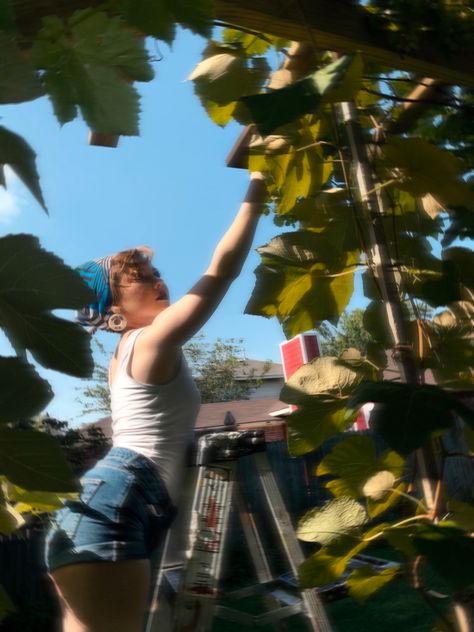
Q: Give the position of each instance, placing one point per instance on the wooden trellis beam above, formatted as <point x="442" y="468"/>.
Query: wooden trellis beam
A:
<point x="341" y="26"/>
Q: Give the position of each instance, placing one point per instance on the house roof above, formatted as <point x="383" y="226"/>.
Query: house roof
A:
<point x="244" y="411"/>
<point x="258" y="369"/>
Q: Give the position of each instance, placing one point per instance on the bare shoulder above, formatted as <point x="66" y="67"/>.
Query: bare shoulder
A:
<point x="153" y="362"/>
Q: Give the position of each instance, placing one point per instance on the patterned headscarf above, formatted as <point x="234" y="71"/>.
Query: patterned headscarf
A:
<point x="96" y="274"/>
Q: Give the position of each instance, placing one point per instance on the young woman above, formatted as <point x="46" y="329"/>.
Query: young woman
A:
<point x="98" y="550"/>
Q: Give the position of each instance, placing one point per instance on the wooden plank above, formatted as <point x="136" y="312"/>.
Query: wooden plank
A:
<point x="342" y="27"/>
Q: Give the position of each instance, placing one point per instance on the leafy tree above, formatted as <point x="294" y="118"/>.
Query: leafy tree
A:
<point x="214" y="367"/>
<point x="350" y="333"/>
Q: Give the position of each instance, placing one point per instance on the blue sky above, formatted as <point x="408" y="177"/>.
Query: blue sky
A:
<point x="168" y="188"/>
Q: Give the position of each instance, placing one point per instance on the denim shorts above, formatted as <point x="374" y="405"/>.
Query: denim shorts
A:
<point x="123" y="513"/>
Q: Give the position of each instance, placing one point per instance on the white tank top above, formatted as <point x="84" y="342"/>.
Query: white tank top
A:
<point x="154" y="420"/>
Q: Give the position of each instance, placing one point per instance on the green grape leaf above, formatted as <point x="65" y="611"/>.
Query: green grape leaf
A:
<point x="54" y="342"/>
<point x="444" y="288"/>
<point x="31" y="277"/>
<point x="325" y="377"/>
<point x="23" y="393"/>
<point x="96" y="58"/>
<point x="307" y="171"/>
<point x="377" y="507"/>
<point x="15" y="152"/>
<point x="150" y="17"/>
<point x="408" y="415"/>
<point x="421" y="168"/>
<point x="62" y="95"/>
<point x="338" y="81"/>
<point x="18" y="79"/>
<point x="249" y="43"/>
<point x="354" y="462"/>
<point x="327" y="523"/>
<point x="33" y="282"/>
<point x="194" y="14"/>
<point x="321" y="569"/>
<point x="307" y="277"/>
<point x="34" y="460"/>
<point x="449" y="551"/>
<point x="220" y="114"/>
<point x="223" y="76"/>
<point x="401" y="538"/>
<point x="364" y="581"/>
<point x="327" y="565"/>
<point x="309" y="427"/>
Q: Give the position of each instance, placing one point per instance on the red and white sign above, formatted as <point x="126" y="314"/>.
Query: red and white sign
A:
<point x="302" y="349"/>
<point x="298" y="351"/>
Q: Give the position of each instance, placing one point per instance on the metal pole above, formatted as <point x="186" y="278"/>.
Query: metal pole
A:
<point x="383" y="269"/>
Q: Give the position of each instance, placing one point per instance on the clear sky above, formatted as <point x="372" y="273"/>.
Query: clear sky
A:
<point x="168" y="188"/>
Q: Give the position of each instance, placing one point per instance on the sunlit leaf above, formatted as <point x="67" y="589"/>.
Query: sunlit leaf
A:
<point x="327" y="523"/>
<point x="15" y="152"/>
<point x="364" y="581"/>
<point x="34" y="460"/>
<point x="338" y="81"/>
<point x="31" y="501"/>
<point x="307" y="277"/>
<point x="10" y="519"/>
<point x="378" y="485"/>
<point x="310" y="426"/>
<point x="220" y="114"/>
<point x="327" y="565"/>
<point x="223" y="76"/>
<point x="307" y="171"/>
<point x="353" y="461"/>
<point x="388" y="501"/>
<point x="321" y="569"/>
<point x="23" y="392"/>
<point x="327" y="377"/>
<point x="421" y="168"/>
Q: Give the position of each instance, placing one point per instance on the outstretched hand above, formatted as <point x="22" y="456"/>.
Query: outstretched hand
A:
<point x="257" y="191"/>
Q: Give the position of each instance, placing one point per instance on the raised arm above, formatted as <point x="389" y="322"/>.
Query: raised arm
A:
<point x="181" y="320"/>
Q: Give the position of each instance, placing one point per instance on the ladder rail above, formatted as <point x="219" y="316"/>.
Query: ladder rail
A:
<point x="216" y="490"/>
<point x="318" y="620"/>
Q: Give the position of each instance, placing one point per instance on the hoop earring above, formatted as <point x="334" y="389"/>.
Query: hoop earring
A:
<point x="117" y="322"/>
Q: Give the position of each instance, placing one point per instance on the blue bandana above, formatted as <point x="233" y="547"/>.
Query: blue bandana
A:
<point x="96" y="274"/>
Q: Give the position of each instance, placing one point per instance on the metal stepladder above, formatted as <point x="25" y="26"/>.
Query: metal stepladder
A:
<point x="192" y="583"/>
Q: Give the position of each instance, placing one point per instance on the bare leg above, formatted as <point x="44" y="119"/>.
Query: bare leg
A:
<point x="103" y="596"/>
